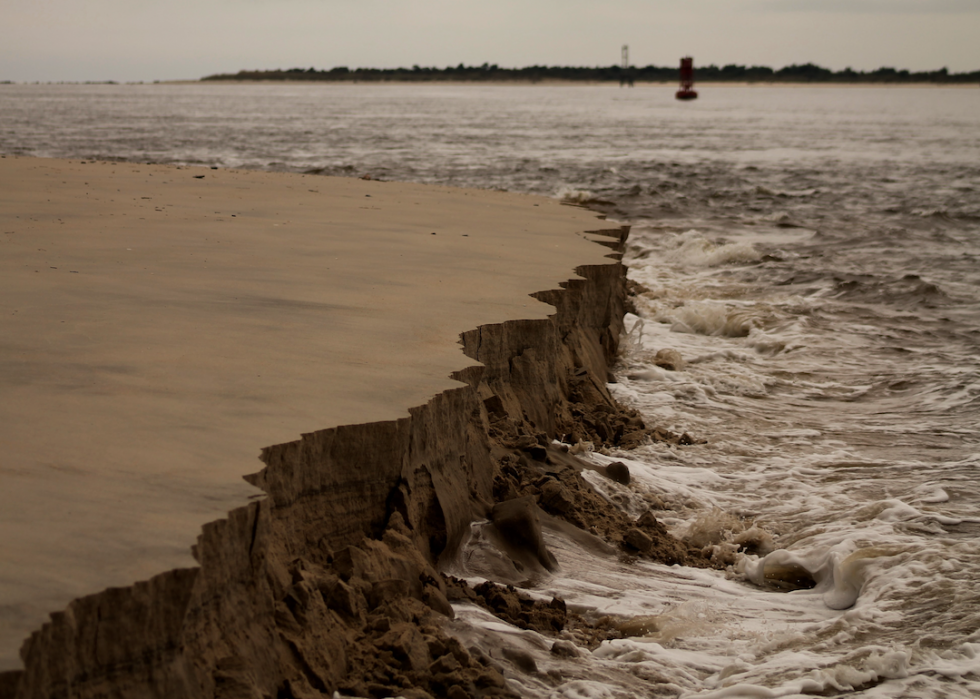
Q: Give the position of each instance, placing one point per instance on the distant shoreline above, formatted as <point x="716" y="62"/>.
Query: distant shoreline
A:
<point x="672" y="84"/>
<point x="806" y="74"/>
<point x="514" y="83"/>
<point x="583" y="83"/>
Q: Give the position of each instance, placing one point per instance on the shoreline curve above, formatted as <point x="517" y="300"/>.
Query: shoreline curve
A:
<point x="414" y="481"/>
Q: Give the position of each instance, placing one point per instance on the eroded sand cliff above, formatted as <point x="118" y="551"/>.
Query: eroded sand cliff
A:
<point x="335" y="580"/>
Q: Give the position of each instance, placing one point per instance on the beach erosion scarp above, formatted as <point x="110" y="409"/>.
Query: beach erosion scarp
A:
<point x="164" y="325"/>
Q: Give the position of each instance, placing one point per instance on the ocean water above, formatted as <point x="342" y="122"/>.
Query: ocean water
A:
<point x="813" y="254"/>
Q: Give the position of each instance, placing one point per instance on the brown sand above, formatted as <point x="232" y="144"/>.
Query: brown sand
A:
<point x="160" y="325"/>
<point x="166" y="323"/>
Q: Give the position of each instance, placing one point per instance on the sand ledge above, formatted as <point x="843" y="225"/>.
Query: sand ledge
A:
<point x="161" y="325"/>
<point x="383" y="500"/>
<point x="186" y="632"/>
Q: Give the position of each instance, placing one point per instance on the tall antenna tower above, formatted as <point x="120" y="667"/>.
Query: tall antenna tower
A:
<point x="625" y="76"/>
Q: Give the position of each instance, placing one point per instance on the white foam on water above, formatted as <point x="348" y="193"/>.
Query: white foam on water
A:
<point x="762" y="189"/>
<point x="729" y="633"/>
<point x="692" y="248"/>
<point x="836" y="490"/>
<point x="573" y="195"/>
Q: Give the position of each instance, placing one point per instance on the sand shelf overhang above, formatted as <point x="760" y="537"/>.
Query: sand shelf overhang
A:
<point x="161" y="325"/>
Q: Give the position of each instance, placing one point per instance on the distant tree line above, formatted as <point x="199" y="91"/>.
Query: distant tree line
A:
<point x="805" y="73"/>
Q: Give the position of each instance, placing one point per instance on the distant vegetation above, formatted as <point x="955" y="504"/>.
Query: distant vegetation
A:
<point x="806" y="73"/>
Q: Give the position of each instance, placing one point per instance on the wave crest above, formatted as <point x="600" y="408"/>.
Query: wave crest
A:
<point x="694" y="249"/>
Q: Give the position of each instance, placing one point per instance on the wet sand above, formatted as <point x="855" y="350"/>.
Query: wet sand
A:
<point x="159" y="326"/>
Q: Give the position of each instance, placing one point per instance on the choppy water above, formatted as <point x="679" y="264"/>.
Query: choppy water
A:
<point x="812" y="253"/>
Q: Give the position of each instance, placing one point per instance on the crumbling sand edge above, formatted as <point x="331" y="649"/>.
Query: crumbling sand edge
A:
<point x="227" y="628"/>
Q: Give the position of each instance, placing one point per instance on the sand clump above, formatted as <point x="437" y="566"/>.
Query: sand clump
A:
<point x="366" y="624"/>
<point x="536" y="468"/>
<point x="395" y="644"/>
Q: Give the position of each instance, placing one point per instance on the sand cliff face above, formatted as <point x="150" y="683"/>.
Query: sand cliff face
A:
<point x="331" y="582"/>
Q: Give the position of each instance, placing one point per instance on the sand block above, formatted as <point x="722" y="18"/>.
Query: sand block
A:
<point x="159" y="326"/>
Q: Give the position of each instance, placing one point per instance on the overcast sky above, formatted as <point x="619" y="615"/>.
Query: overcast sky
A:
<point x="132" y="40"/>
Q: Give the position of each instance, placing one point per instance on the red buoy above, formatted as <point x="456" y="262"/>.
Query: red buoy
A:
<point x="687" y="91"/>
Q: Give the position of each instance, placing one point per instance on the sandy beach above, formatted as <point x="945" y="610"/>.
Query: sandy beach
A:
<point x="162" y="325"/>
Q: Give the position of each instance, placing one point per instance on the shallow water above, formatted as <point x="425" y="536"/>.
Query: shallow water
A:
<point x="810" y="252"/>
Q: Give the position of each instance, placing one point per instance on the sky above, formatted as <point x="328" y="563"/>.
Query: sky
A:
<point x="139" y="40"/>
